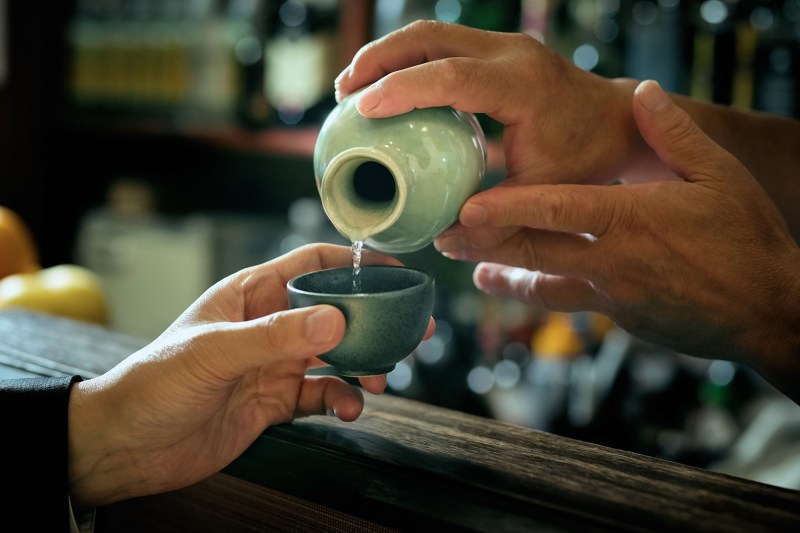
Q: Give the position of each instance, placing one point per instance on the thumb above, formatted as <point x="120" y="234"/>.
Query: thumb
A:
<point x="295" y="334"/>
<point x="673" y="135"/>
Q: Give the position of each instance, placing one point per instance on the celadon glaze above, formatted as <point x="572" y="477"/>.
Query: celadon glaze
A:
<point x="397" y="182"/>
<point x="385" y="322"/>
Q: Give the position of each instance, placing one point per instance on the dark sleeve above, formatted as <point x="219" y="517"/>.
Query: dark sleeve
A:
<point x="33" y="449"/>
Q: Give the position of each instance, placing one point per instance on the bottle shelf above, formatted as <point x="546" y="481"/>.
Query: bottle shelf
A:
<point x="271" y="141"/>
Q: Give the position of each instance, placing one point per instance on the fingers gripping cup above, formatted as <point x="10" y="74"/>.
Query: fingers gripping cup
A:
<point x="386" y="319"/>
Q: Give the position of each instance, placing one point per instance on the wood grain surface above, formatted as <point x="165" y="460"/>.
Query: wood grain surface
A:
<point x="405" y="465"/>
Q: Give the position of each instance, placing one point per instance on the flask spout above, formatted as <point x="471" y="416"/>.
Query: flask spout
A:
<point x="362" y="193"/>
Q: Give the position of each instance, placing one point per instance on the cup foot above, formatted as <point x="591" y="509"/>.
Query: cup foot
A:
<point x="361" y="372"/>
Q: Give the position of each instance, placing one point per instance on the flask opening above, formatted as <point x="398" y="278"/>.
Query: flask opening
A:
<point x="363" y="193"/>
<point x="374" y="182"/>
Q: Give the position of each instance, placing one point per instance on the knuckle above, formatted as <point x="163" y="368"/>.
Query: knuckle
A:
<point x="532" y="256"/>
<point x="534" y="292"/>
<point x="425" y="26"/>
<point x="522" y="41"/>
<point x="609" y="276"/>
<point x="318" y="248"/>
<point x="680" y="128"/>
<point x="620" y="216"/>
<point x="455" y="72"/>
<point x="253" y="277"/>
<point x="553" y="209"/>
<point x="276" y="331"/>
<point x="251" y="285"/>
<point x="689" y="141"/>
<point x="362" y="59"/>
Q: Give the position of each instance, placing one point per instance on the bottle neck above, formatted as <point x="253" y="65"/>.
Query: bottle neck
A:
<point x="363" y="192"/>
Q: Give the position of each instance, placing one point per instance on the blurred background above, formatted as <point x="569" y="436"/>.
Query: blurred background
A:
<point x="164" y="144"/>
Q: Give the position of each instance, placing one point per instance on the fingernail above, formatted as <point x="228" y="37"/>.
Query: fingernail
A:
<point x="481" y="277"/>
<point x="485" y="275"/>
<point x="473" y="214"/>
<point x="370" y="98"/>
<point x="450" y="243"/>
<point x="338" y="93"/>
<point x="320" y="325"/>
<point x="652" y="96"/>
<point x="457" y="255"/>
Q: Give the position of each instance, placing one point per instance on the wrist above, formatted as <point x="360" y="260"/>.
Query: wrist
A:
<point x="97" y="466"/>
<point x="772" y="346"/>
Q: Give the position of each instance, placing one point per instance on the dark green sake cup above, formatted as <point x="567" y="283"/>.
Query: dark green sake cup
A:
<point x="386" y="320"/>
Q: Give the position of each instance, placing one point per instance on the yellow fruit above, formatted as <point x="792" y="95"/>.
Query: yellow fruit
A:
<point x="65" y="290"/>
<point x="18" y="252"/>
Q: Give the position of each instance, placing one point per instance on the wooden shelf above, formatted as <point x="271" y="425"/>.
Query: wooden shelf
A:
<point x="275" y="140"/>
<point x="272" y="140"/>
<point x="284" y="141"/>
<point x="298" y="142"/>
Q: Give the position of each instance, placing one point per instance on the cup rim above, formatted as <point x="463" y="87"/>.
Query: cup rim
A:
<point x="428" y="280"/>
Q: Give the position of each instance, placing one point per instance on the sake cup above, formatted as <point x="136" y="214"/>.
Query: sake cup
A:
<point x="386" y="319"/>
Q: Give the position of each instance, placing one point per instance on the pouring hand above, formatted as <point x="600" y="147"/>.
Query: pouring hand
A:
<point x="562" y="124"/>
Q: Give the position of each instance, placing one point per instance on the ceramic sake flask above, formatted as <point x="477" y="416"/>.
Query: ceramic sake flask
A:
<point x="398" y="182"/>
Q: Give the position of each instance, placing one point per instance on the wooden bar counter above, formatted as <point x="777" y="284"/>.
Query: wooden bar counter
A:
<point x="409" y="466"/>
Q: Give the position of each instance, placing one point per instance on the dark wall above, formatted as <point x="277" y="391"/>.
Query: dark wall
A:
<point x="31" y="104"/>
